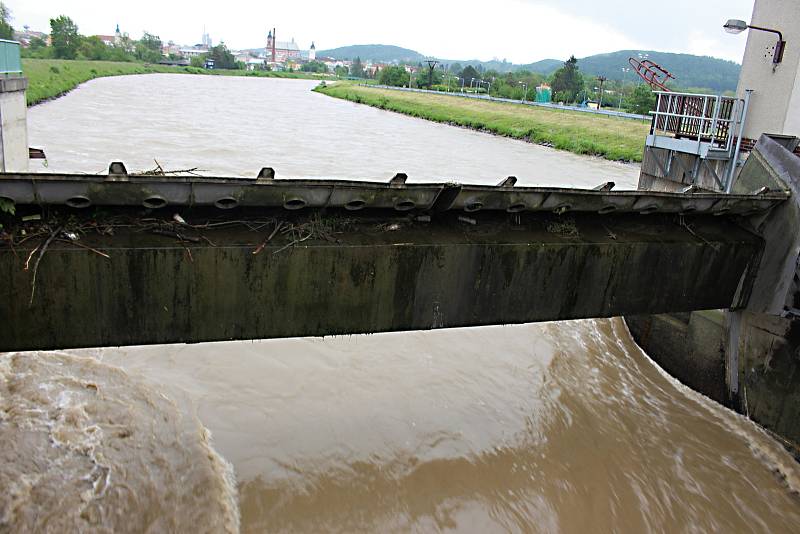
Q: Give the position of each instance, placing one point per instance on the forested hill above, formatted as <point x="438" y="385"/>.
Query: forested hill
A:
<point x="689" y="71"/>
<point x="373" y="52"/>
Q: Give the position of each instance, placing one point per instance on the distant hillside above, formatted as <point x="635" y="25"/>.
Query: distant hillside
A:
<point x="373" y="52"/>
<point x="689" y="70"/>
<point x="545" y="66"/>
<point x="494" y="64"/>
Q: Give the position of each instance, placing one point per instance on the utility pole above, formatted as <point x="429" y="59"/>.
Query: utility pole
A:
<point x="625" y="70"/>
<point x="600" y="79"/>
<point x="431" y="65"/>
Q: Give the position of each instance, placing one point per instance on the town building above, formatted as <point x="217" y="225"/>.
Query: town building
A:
<point x="27" y="35"/>
<point x="108" y="40"/>
<point x="206" y="41"/>
<point x="254" y="63"/>
<point x="111" y="40"/>
<point x="170" y="49"/>
<point x="373" y="69"/>
<point x="281" y="51"/>
<point x="192" y="51"/>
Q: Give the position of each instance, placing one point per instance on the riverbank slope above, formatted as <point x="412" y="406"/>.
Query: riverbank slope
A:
<point x="51" y="78"/>
<point x="608" y="137"/>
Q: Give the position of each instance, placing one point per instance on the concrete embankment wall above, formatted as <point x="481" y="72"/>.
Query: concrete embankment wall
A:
<point x="747" y="359"/>
<point x="692" y="348"/>
<point x="689" y="346"/>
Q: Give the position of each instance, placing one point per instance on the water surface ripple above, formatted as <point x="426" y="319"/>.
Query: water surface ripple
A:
<point x="235" y="126"/>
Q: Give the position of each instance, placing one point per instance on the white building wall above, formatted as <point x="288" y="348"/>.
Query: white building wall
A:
<point x="775" y="103"/>
<point x="792" y="124"/>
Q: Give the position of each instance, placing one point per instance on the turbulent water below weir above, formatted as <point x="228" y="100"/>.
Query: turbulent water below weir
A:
<point x="83" y="447"/>
<point x="552" y="427"/>
<point x="537" y="428"/>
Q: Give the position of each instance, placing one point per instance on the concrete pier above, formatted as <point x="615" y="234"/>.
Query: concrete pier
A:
<point x="13" y="125"/>
<point x="747" y="359"/>
<point x="689" y="346"/>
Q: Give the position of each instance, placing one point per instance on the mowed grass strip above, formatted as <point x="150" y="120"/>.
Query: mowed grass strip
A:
<point x="612" y="138"/>
<point x="51" y="78"/>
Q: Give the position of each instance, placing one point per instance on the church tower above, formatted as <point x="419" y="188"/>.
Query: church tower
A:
<point x="270" y="51"/>
<point x="312" y="52"/>
<point x="117" y="36"/>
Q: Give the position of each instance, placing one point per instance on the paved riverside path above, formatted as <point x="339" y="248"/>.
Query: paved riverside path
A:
<point x="549" y="105"/>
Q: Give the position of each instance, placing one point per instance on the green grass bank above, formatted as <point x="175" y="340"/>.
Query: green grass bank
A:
<point x="51" y="78"/>
<point x="611" y="138"/>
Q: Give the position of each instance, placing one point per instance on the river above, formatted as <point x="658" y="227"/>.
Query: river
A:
<point x="235" y="126"/>
<point x="552" y="427"/>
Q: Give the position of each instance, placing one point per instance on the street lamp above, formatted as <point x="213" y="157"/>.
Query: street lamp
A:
<point x="738" y="26"/>
<point x="600" y="79"/>
<point x="525" y="86"/>
<point x="470" y="83"/>
<point x="642" y="57"/>
<point x="625" y="70"/>
<point x="431" y="65"/>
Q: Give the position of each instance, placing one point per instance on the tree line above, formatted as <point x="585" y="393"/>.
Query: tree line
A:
<point x="568" y="84"/>
<point x="66" y="42"/>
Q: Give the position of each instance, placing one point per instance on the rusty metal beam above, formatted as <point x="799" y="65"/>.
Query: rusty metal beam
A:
<point x="118" y="188"/>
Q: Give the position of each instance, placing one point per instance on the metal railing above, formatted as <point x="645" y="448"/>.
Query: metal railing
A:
<point x="708" y="119"/>
<point x="10" y="62"/>
<point x="479" y="96"/>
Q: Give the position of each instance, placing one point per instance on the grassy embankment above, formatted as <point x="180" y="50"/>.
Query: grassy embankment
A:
<point x="50" y="78"/>
<point x="611" y="138"/>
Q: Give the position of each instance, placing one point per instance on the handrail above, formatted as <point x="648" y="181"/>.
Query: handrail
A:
<point x="675" y="93"/>
<point x="702" y="117"/>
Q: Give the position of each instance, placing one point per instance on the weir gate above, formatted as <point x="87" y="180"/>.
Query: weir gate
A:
<point x="126" y="259"/>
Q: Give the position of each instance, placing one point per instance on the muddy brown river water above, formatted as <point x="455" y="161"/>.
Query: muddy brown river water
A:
<point x="552" y="427"/>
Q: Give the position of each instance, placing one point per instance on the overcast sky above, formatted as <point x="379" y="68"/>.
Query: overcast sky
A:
<point x="521" y="31"/>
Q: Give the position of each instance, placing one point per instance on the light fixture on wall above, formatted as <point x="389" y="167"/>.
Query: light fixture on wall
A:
<point x="738" y="26"/>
